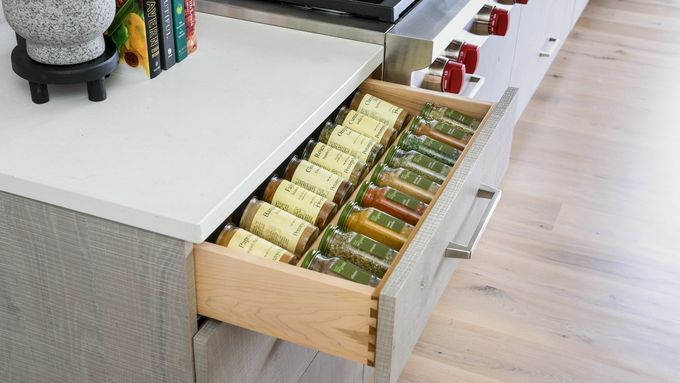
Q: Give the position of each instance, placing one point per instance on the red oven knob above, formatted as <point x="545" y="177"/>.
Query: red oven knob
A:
<point x="453" y="77"/>
<point x="463" y="53"/>
<point x="491" y="21"/>
<point x="511" y="2"/>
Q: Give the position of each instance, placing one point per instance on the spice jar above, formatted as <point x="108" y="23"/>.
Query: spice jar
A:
<point x="315" y="260"/>
<point x="299" y="202"/>
<point x="380" y="110"/>
<point x="441" y="131"/>
<point x="391" y="201"/>
<point x="236" y="238"/>
<point x="348" y="141"/>
<point x="375" y="224"/>
<point x="335" y="161"/>
<point x="418" y="163"/>
<point x="450" y="116"/>
<point x="366" y="125"/>
<point x="318" y="180"/>
<point x="438" y="150"/>
<point x="358" y="249"/>
<point x="277" y="226"/>
<point x="405" y="181"/>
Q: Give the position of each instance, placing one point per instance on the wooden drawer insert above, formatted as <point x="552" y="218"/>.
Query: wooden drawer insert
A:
<point x="340" y="317"/>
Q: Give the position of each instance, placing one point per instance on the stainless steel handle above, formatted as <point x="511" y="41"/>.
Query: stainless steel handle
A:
<point x="554" y="43"/>
<point x="479" y="83"/>
<point x="456" y="250"/>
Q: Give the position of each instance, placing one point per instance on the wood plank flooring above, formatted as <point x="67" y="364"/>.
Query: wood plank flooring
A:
<point x="578" y="276"/>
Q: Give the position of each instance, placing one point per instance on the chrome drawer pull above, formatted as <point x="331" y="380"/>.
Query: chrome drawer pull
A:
<point x="456" y="250"/>
<point x="554" y="44"/>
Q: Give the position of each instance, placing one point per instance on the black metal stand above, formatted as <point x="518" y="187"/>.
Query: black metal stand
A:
<point x="40" y="75"/>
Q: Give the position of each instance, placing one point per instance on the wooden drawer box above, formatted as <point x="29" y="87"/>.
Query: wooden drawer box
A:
<point x="377" y="327"/>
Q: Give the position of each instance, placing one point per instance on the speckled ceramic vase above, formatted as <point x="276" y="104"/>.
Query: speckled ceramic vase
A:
<point x="61" y="32"/>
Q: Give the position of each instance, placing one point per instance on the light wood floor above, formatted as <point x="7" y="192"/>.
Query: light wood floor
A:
<point x="578" y="276"/>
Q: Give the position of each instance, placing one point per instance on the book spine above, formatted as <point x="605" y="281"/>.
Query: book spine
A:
<point x="180" y="30"/>
<point x="165" y="30"/>
<point x="190" y="19"/>
<point x="152" y="37"/>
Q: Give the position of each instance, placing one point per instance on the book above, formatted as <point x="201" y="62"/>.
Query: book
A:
<point x="180" y="32"/>
<point x="166" y="34"/>
<point x="152" y="37"/>
<point x="190" y="20"/>
<point x="130" y="32"/>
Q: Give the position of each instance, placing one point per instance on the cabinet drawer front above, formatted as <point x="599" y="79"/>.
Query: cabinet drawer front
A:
<point x="227" y="353"/>
<point x="414" y="288"/>
<point x="353" y="321"/>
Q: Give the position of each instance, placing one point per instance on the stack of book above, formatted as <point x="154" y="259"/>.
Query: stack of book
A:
<point x="154" y="35"/>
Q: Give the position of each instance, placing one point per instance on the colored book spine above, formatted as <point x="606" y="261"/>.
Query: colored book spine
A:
<point x="166" y="32"/>
<point x="180" y="30"/>
<point x="152" y="36"/>
<point x="190" y="19"/>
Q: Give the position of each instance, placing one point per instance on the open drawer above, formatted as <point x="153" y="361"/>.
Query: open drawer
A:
<point x="375" y="326"/>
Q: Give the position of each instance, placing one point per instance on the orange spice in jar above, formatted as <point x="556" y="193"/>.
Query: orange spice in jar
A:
<point x="405" y="181"/>
<point x="335" y="161"/>
<point x="235" y="238"/>
<point x="375" y="224"/>
<point x="366" y="125"/>
<point x="441" y="131"/>
<point x="278" y="226"/>
<point x="379" y="109"/>
<point x="299" y="202"/>
<point x="318" y="180"/>
<point x="391" y="201"/>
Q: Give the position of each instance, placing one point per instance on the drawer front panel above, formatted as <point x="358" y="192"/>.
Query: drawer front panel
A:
<point x="227" y="353"/>
<point x="422" y="274"/>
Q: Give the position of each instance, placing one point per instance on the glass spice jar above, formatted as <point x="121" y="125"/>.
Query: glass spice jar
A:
<point x="366" y="125"/>
<point x="453" y="117"/>
<point x="375" y="224"/>
<point x="299" y="202"/>
<point x="432" y="148"/>
<point x="234" y="237"/>
<point x="449" y="134"/>
<point x="405" y="181"/>
<point x="418" y="163"/>
<point x="358" y="249"/>
<point x="316" y="261"/>
<point x="278" y="226"/>
<point x="335" y="161"/>
<point x="379" y="109"/>
<point x="318" y="180"/>
<point x="391" y="201"/>
<point x="348" y="141"/>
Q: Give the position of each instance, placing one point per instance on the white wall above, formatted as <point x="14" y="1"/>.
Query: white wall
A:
<point x="2" y="14"/>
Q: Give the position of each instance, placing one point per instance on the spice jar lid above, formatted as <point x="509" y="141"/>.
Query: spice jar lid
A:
<point x="403" y="138"/>
<point x="427" y="108"/>
<point x="342" y="113"/>
<point x="417" y="120"/>
<point x="376" y="173"/>
<point x="390" y="154"/>
<point x="326" y="237"/>
<point x="469" y="55"/>
<point x="346" y="211"/>
<point x="309" y="257"/>
<point x="362" y="191"/>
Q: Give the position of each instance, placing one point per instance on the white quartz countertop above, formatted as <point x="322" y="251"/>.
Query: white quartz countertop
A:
<point x="177" y="154"/>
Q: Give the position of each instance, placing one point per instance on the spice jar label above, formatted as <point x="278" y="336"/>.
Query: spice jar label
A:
<point x="277" y="226"/>
<point x="349" y="141"/>
<point x="365" y="125"/>
<point x="387" y="221"/>
<point x="370" y="246"/>
<point x="429" y="163"/>
<point x="415" y="179"/>
<point x="334" y="160"/>
<point x="298" y="201"/>
<point x="449" y="130"/>
<point x="254" y="245"/>
<point x="456" y="116"/>
<point x="442" y="148"/>
<point x="316" y="179"/>
<point x="379" y="109"/>
<point x="351" y="272"/>
<point x="402" y="199"/>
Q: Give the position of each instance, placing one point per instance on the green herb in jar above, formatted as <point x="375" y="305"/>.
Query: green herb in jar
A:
<point x="315" y="260"/>
<point x="418" y="163"/>
<point x="454" y="117"/>
<point x="358" y="249"/>
<point x="438" y="150"/>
